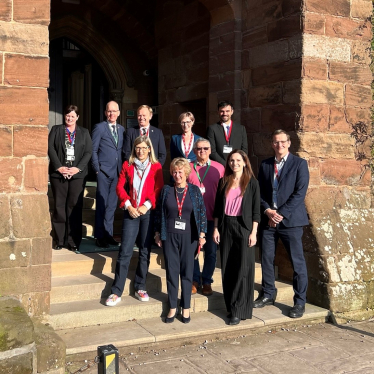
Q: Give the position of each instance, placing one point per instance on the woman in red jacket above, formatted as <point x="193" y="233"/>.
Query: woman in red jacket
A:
<point x="138" y="189"/>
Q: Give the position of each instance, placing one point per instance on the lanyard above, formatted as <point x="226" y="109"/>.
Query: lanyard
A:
<point x="187" y="150"/>
<point x="71" y="136"/>
<point x="141" y="132"/>
<point x="227" y="136"/>
<point x="197" y="173"/>
<point x="180" y="204"/>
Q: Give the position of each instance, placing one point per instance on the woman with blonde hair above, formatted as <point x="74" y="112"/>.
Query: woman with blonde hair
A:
<point x="180" y="225"/>
<point x="138" y="188"/>
<point x="236" y="218"/>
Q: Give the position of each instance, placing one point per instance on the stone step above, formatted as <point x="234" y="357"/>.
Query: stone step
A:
<point x="96" y="286"/>
<point x="93" y="312"/>
<point x="130" y="335"/>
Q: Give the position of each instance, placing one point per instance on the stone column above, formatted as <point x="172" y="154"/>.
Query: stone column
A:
<point x="25" y="244"/>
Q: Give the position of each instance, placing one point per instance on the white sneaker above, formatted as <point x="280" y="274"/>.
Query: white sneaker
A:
<point x="112" y="300"/>
<point x="142" y="295"/>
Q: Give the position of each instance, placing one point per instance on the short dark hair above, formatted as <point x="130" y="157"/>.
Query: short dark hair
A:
<point x="71" y="108"/>
<point x="224" y="103"/>
<point x="280" y="131"/>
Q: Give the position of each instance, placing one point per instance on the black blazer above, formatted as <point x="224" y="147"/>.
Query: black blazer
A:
<point x="157" y="139"/>
<point x="216" y="136"/>
<point x="292" y="188"/>
<point x="250" y="204"/>
<point x="56" y="150"/>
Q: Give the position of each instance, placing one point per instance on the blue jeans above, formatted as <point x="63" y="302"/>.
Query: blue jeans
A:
<point x="133" y="228"/>
<point x="210" y="256"/>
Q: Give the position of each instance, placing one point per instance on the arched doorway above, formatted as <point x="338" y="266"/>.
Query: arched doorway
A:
<point x="76" y="78"/>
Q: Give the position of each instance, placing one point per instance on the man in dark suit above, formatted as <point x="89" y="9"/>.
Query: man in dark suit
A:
<point x="145" y="113"/>
<point x="226" y="135"/>
<point x="283" y="184"/>
<point x="107" y="142"/>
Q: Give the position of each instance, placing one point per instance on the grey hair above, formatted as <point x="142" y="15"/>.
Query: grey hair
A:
<point x="200" y="140"/>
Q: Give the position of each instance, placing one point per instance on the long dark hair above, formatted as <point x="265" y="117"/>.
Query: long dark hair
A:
<point x="228" y="177"/>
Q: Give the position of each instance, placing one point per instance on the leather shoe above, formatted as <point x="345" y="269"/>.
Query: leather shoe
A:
<point x="234" y="320"/>
<point x="111" y="241"/>
<point x="195" y="287"/>
<point x="207" y="290"/>
<point x="262" y="301"/>
<point x="296" y="311"/>
<point x="101" y="243"/>
<point x="58" y="247"/>
<point x="73" y="248"/>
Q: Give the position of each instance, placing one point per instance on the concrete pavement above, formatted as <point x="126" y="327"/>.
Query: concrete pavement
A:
<point x="307" y="349"/>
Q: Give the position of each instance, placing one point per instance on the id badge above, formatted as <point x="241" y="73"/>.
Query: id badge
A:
<point x="202" y="190"/>
<point x="227" y="148"/>
<point x="180" y="224"/>
<point x="70" y="151"/>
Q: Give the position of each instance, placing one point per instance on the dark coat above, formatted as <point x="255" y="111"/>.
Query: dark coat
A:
<point x="176" y="148"/>
<point x="250" y="204"/>
<point x="56" y="151"/>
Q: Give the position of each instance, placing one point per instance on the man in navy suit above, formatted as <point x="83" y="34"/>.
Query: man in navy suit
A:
<point x="145" y="113"/>
<point x="107" y="142"/>
<point x="283" y="185"/>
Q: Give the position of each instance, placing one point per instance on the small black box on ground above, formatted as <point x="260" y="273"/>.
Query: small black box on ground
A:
<point x="108" y="359"/>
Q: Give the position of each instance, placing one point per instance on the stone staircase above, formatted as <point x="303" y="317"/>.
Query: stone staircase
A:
<point x="81" y="282"/>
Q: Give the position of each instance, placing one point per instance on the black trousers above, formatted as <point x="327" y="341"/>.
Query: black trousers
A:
<point x="238" y="268"/>
<point x="67" y="214"/>
<point x="179" y="252"/>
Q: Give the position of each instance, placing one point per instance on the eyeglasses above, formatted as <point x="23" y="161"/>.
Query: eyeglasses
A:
<point x="202" y="148"/>
<point x="282" y="142"/>
<point x="112" y="111"/>
<point x="138" y="149"/>
<point x="186" y="123"/>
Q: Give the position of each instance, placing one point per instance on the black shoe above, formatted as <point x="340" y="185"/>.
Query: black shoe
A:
<point x="73" y="248"/>
<point x="171" y="319"/>
<point x="111" y="241"/>
<point x="58" y="247"/>
<point x="262" y="301"/>
<point x="186" y="319"/>
<point x="102" y="243"/>
<point x="296" y="311"/>
<point x="234" y="320"/>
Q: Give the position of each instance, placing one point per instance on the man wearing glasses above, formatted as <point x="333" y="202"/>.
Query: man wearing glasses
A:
<point x="226" y="135"/>
<point x="107" y="142"/>
<point x="283" y="183"/>
<point x="206" y="175"/>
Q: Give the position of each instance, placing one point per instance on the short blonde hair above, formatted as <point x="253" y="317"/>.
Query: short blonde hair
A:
<point x="180" y="162"/>
<point x="145" y="107"/>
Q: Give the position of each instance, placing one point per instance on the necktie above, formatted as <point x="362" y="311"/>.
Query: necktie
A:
<point x="114" y="132"/>
<point x="227" y="130"/>
<point x="144" y="131"/>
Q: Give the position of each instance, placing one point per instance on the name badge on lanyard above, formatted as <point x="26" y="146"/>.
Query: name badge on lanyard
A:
<point x="227" y="149"/>
<point x="201" y="180"/>
<point x="179" y="223"/>
<point x="70" y="153"/>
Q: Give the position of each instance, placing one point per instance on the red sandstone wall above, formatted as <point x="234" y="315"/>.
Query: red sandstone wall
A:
<point x="25" y="244"/>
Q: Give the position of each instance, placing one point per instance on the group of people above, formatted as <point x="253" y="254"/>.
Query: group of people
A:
<point x="213" y="199"/>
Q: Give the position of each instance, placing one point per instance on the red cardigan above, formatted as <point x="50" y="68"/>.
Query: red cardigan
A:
<point x="151" y="189"/>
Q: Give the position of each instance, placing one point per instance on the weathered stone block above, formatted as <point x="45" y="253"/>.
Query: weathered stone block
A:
<point x="262" y="145"/>
<point x="314" y="177"/>
<point x="360" y="52"/>
<point x="354" y="115"/>
<point x="291" y="7"/>
<point x="338" y="120"/>
<point x="41" y="251"/>
<point x="326" y="48"/>
<point x="4" y="216"/>
<point x="291" y="92"/>
<point x="322" y="92"/>
<point x="278" y="72"/>
<point x="16" y="328"/>
<point x="227" y="42"/>
<point x="224" y="62"/>
<point x="30" y="71"/>
<point x="36" y="175"/>
<point x="348" y="28"/>
<point x="314" y="117"/>
<point x="26" y="206"/>
<point x="280" y="117"/>
<point x="225" y="28"/>
<point x="356" y="74"/>
<point x="265" y="95"/>
<point x="32" y="279"/>
<point x="24" y="147"/>
<point x="343" y="172"/>
<point x="21" y="38"/>
<point x="20" y="364"/>
<point x="263" y="13"/>
<point x="314" y="23"/>
<point x="223" y="82"/>
<point x="36" y="303"/>
<point x="251" y="119"/>
<point x="314" y="68"/>
<point x="362" y="9"/>
<point x="24" y="105"/>
<point x="51" y="349"/>
<point x="37" y="11"/>
<point x="269" y="53"/>
<point x="198" y="74"/>
<point x="10" y="174"/>
<point x="345" y="297"/>
<point x="317" y="293"/>
<point x="284" y="28"/>
<point x="6" y="136"/>
<point x="360" y="96"/>
<point x="333" y="7"/>
<point x="6" y="10"/>
<point x="253" y="38"/>
<point x="15" y="253"/>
